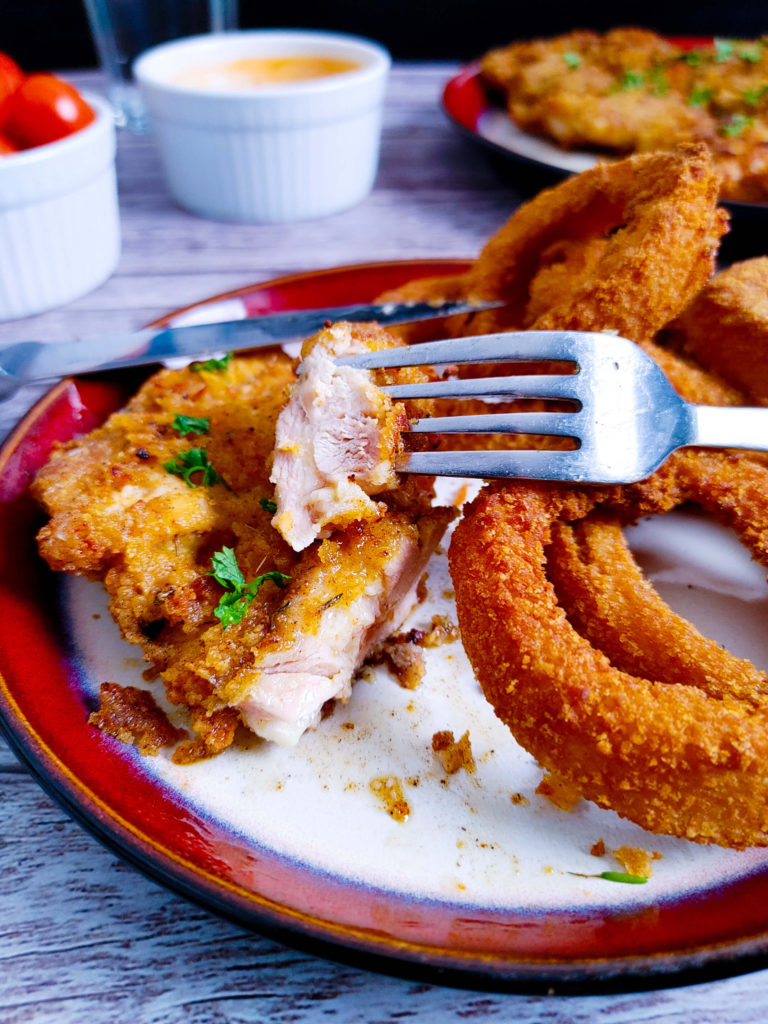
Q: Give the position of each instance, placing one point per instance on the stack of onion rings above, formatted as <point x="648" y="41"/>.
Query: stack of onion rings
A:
<point x="578" y="655"/>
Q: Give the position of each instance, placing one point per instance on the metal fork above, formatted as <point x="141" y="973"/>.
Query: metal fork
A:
<point x="627" y="421"/>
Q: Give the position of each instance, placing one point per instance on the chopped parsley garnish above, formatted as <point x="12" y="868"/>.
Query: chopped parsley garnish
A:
<point x="191" y="424"/>
<point x="239" y="594"/>
<point x="191" y="462"/>
<point x="615" y="876"/>
<point x="212" y="365"/>
<point x="723" y="50"/>
<point x="631" y="80"/>
<point x="699" y="97"/>
<point x="753" y="56"/>
<point x="693" y="58"/>
<point x="753" y="96"/>
<point x="622" y="876"/>
<point x="735" y="126"/>
<point x="573" y="60"/>
<point x="659" y="82"/>
<point x="268" y="505"/>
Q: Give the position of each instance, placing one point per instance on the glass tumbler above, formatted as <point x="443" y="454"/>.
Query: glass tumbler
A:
<point x="122" y="29"/>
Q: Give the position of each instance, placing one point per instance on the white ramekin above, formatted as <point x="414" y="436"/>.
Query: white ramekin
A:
<point x="275" y="153"/>
<point x="59" y="220"/>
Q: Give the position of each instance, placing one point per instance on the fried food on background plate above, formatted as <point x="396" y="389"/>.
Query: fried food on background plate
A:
<point x="170" y="504"/>
<point x="631" y="90"/>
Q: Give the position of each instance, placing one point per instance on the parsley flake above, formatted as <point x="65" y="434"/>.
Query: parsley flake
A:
<point x="631" y="80"/>
<point x="191" y="424"/>
<point x="693" y="58"/>
<point x="659" y="82"/>
<point x="699" y="97"/>
<point x="753" y="56"/>
<point x="188" y="463"/>
<point x="615" y="876"/>
<point x="735" y="126"/>
<point x="212" y="365"/>
<point x="622" y="876"/>
<point x="753" y="96"/>
<point x="573" y="60"/>
<point x="723" y="50"/>
<point x="268" y="505"/>
<point x="239" y="594"/>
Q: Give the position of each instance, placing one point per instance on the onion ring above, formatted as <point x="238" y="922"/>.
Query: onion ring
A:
<point x="662" y="743"/>
<point x="610" y="602"/>
<point x="659" y="213"/>
<point x="671" y="757"/>
<point x="725" y="328"/>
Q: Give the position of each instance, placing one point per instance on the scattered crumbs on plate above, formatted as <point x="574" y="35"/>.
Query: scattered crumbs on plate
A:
<point x="636" y="861"/>
<point x="558" y="791"/>
<point x="519" y="800"/>
<point x="453" y="754"/>
<point x="389" y="790"/>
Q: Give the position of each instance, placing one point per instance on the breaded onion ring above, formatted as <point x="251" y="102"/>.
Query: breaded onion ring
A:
<point x="677" y="758"/>
<point x="659" y="213"/>
<point x="611" y="603"/>
<point x="622" y="246"/>
<point x="725" y="328"/>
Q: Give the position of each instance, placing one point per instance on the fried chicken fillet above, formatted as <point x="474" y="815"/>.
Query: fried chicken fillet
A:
<point x="633" y="91"/>
<point x="118" y="514"/>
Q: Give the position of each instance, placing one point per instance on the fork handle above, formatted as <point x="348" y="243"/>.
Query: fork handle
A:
<point x="729" y="427"/>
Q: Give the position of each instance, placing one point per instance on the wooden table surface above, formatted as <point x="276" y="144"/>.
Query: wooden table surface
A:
<point x="86" y="938"/>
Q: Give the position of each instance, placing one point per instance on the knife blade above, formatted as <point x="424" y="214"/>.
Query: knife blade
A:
<point x="29" y="362"/>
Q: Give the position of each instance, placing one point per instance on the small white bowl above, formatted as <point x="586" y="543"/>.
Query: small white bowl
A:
<point x="59" y="220"/>
<point x="272" y="153"/>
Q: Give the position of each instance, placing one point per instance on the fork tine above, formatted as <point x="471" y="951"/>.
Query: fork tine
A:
<point x="528" y="386"/>
<point x="525" y="464"/>
<point x="511" y="346"/>
<point x="561" y="424"/>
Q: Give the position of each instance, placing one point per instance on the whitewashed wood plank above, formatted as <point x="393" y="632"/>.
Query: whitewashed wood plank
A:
<point x="90" y="939"/>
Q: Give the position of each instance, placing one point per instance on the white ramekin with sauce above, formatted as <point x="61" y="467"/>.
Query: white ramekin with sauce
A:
<point x="244" y="135"/>
<point x="59" y="218"/>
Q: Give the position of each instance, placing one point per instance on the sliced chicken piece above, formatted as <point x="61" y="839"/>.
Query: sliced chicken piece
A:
<point x="355" y="589"/>
<point x="336" y="440"/>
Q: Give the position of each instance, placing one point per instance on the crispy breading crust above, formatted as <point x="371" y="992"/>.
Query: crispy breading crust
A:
<point x="667" y="755"/>
<point x="725" y="328"/>
<point x="678" y="754"/>
<point x="633" y="91"/>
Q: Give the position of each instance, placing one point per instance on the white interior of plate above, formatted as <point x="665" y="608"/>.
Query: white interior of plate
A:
<point x="469" y="838"/>
<point x="496" y="126"/>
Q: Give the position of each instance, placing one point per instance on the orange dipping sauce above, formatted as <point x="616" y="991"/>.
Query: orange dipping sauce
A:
<point x="253" y="72"/>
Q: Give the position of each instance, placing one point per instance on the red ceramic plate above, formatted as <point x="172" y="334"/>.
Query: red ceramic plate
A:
<point x="484" y="882"/>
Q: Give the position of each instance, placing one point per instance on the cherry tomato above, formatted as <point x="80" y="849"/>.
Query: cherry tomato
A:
<point x="6" y="146"/>
<point x="11" y="76"/>
<point x="43" y="109"/>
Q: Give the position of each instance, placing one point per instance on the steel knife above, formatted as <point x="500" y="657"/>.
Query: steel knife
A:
<point x="30" y="362"/>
